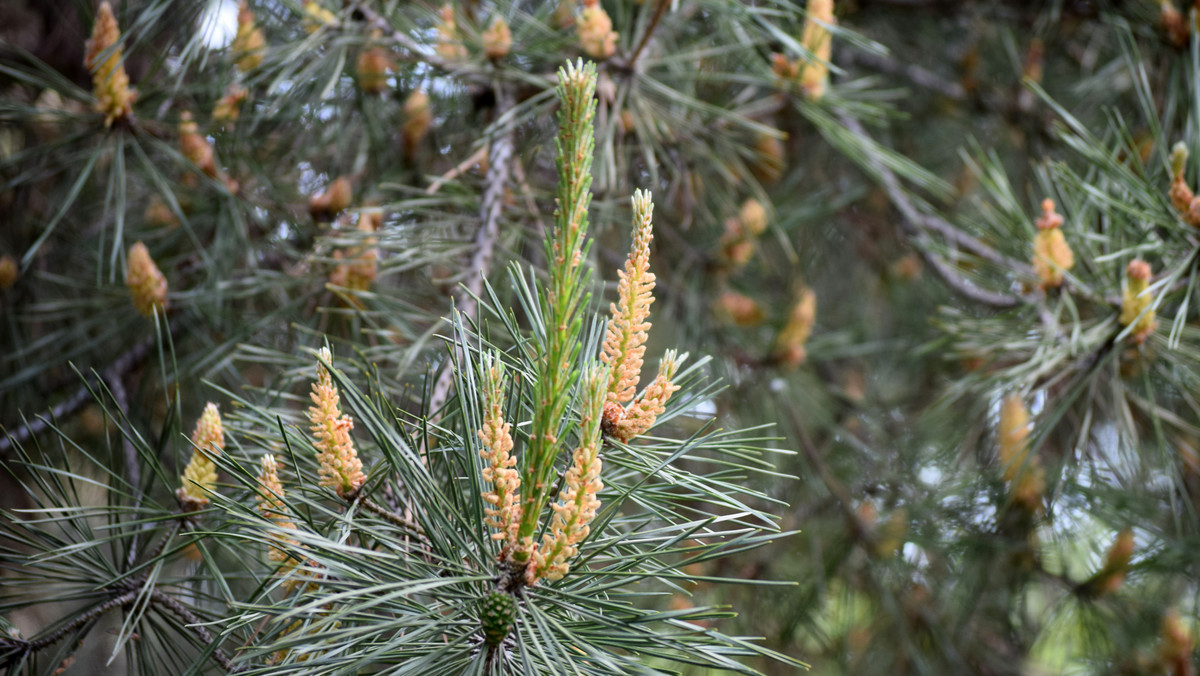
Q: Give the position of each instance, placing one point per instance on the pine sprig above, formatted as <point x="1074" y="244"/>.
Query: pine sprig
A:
<point x="564" y="298"/>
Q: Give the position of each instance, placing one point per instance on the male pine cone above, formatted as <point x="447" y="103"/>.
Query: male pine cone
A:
<point x="147" y="285"/>
<point x="110" y="83"/>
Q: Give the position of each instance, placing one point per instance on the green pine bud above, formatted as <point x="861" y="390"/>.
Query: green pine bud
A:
<point x="1179" y="156"/>
<point x="496" y="615"/>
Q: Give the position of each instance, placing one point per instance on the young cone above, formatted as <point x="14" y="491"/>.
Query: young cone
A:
<point x="316" y="16"/>
<point x="147" y="285"/>
<point x="372" y="70"/>
<point x="270" y="502"/>
<point x="1051" y="253"/>
<point x="1136" y="301"/>
<point x="641" y="415"/>
<point x="418" y="118"/>
<point x="789" y="344"/>
<point x="229" y="107"/>
<point x="625" y="340"/>
<point x="1116" y="564"/>
<point x="104" y="58"/>
<point x="449" y="45"/>
<point x="504" y="500"/>
<point x="497" y="39"/>
<point x="578" y="501"/>
<point x="341" y="469"/>
<point x="1175" y="651"/>
<point x="194" y="146"/>
<point x="738" y="308"/>
<point x="1176" y="27"/>
<point x="497" y="613"/>
<point x="753" y="217"/>
<point x="1181" y="193"/>
<point x="769" y="159"/>
<point x="336" y="198"/>
<point x="200" y="476"/>
<point x="363" y="262"/>
<point x="737" y="244"/>
<point x="248" y="43"/>
<point x="9" y="271"/>
<point x="1021" y="469"/>
<point x="595" y="31"/>
<point x="817" y="39"/>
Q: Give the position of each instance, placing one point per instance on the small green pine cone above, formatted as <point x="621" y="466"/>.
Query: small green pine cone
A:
<point x="496" y="614"/>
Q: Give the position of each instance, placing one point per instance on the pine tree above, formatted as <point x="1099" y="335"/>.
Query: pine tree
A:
<point x="599" y="337"/>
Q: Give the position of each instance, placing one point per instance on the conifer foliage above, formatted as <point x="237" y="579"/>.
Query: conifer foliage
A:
<point x="599" y="337"/>
<point x="354" y="535"/>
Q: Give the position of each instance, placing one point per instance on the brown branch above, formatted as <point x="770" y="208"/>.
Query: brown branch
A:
<point x="926" y="79"/>
<point x="131" y="590"/>
<point x="937" y="225"/>
<point x="82" y="619"/>
<point x="659" y="10"/>
<point x="174" y="526"/>
<point x="133" y="468"/>
<point x="961" y="286"/>
<point x="475" y="158"/>
<point x="391" y="517"/>
<point x="962" y="239"/>
<point x="196" y="625"/>
<point x="527" y="193"/>
<point x="464" y="70"/>
<point x="119" y="368"/>
<point x="122" y="600"/>
<point x="499" y="168"/>
<point x="919" y="225"/>
<point x="836" y="489"/>
<point x="377" y="21"/>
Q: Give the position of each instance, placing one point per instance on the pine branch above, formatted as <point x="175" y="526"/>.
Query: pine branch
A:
<point x="499" y="169"/>
<point x="918" y="225"/>
<point x="132" y="467"/>
<point x="475" y="158"/>
<point x="381" y="24"/>
<point x="128" y="597"/>
<point x="196" y="625"/>
<point x="836" y="489"/>
<point x="126" y="362"/>
<point x="118" y="601"/>
<point x="184" y="521"/>
<point x="564" y="297"/>
<point x="484" y="245"/>
<point x="391" y="517"/>
<point x="660" y="8"/>
<point x="915" y="74"/>
<point x="530" y="201"/>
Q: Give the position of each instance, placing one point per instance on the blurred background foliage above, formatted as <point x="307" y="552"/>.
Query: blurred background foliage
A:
<point x="891" y="215"/>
